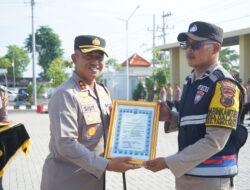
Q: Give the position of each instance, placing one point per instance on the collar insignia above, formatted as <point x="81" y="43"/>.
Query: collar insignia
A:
<point x="82" y="85"/>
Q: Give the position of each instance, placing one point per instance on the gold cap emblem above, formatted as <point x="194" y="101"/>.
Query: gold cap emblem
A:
<point x="96" y="42"/>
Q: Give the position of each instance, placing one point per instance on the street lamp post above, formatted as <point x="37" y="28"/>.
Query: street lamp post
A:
<point x="33" y="54"/>
<point x="127" y="65"/>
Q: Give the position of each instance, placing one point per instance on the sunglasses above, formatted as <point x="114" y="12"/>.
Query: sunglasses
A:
<point x="194" y="45"/>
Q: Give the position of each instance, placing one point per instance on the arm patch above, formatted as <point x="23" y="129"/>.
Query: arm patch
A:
<point x="224" y="108"/>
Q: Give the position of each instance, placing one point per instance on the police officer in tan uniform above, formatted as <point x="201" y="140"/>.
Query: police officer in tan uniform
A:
<point x="79" y="113"/>
<point x="3" y="104"/>
<point x="208" y="137"/>
<point x="3" y="112"/>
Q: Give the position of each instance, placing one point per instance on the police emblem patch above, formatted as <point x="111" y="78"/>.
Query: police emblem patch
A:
<point x="227" y="93"/>
<point x="227" y="96"/>
<point x="199" y="95"/>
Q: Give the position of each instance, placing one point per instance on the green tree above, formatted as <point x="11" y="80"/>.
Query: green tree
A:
<point x="57" y="71"/>
<point x="5" y="62"/>
<point x="157" y="59"/>
<point x="99" y="78"/>
<point x="39" y="90"/>
<point x="161" y="76"/>
<point x="113" y="63"/>
<point x="30" y="92"/>
<point x="149" y="82"/>
<point x="20" y="58"/>
<point x="138" y="93"/>
<point x="48" y="46"/>
<point x="228" y="58"/>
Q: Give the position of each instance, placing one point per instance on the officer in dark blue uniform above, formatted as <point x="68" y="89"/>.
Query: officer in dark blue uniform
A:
<point x="209" y="138"/>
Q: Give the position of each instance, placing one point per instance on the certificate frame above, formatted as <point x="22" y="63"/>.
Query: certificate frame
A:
<point x="141" y="121"/>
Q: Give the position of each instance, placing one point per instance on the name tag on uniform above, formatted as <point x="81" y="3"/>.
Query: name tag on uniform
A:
<point x="89" y="108"/>
<point x="92" y="118"/>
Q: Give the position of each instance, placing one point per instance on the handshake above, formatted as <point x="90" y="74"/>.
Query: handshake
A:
<point x="119" y="164"/>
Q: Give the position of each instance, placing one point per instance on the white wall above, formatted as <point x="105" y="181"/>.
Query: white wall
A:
<point x="116" y="81"/>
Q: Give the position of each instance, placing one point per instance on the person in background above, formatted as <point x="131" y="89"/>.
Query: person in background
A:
<point x="169" y="99"/>
<point x="177" y="97"/>
<point x="248" y="98"/>
<point x="163" y="94"/>
<point x="3" y="114"/>
<point x="79" y="113"/>
<point x="208" y="138"/>
<point x="244" y="109"/>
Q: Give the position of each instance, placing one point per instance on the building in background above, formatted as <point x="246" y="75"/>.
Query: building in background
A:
<point x="139" y="68"/>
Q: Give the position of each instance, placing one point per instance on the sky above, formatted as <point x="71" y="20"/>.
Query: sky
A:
<point x="107" y="18"/>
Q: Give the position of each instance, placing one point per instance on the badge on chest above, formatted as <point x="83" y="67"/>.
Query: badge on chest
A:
<point x="92" y="118"/>
<point x="201" y="91"/>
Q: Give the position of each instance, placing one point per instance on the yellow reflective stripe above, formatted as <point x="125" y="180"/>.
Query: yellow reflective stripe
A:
<point x="23" y="147"/>
<point x="86" y="46"/>
<point x="107" y="90"/>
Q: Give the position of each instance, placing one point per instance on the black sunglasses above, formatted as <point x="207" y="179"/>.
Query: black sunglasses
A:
<point x="194" y="45"/>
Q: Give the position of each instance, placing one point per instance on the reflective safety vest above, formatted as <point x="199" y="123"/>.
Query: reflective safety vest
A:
<point x="194" y="108"/>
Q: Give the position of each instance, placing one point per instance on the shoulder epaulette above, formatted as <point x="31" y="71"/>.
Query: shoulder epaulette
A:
<point x="105" y="88"/>
<point x="220" y="74"/>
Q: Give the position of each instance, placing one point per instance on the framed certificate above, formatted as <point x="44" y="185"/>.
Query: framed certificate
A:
<point x="133" y="131"/>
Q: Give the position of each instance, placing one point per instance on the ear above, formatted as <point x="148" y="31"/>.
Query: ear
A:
<point x="216" y="48"/>
<point x="73" y="57"/>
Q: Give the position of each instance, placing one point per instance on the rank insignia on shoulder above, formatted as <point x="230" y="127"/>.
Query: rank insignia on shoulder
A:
<point x="199" y="95"/>
<point x="82" y="85"/>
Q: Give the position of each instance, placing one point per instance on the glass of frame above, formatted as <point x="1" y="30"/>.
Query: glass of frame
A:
<point x="133" y="131"/>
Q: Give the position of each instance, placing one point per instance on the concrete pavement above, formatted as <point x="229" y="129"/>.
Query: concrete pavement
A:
<point x="25" y="173"/>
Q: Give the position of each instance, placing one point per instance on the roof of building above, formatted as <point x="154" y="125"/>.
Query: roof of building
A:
<point x="136" y="61"/>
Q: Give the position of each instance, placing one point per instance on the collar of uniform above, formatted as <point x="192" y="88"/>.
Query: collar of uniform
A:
<point x="80" y="82"/>
<point x="199" y="75"/>
<point x="99" y="90"/>
<point x="78" y="79"/>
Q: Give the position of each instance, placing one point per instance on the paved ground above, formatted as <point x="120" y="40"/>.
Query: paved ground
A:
<point x="25" y="173"/>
